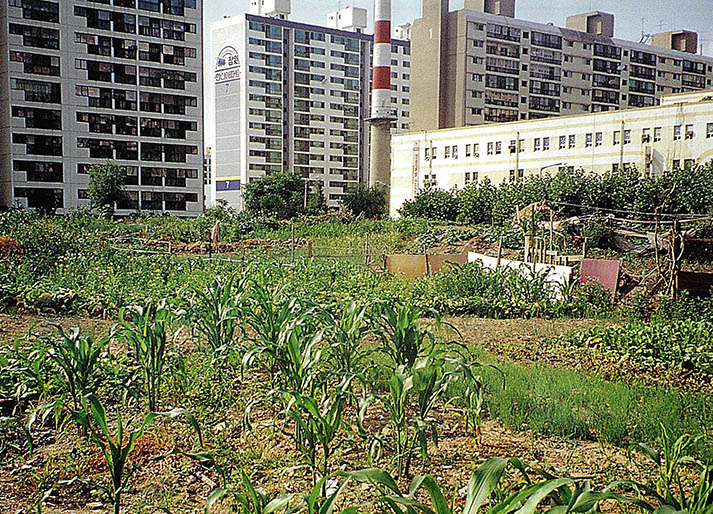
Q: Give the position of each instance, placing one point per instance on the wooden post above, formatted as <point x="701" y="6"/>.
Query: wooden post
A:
<point x="386" y="262"/>
<point x="242" y="257"/>
<point x="366" y="259"/>
<point x="292" y="245"/>
<point x="584" y="248"/>
<point x="309" y="248"/>
<point x="552" y="235"/>
<point x="532" y="235"/>
<point x="428" y="266"/>
<point x="500" y="253"/>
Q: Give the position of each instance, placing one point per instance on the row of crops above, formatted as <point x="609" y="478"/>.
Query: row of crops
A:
<point x="372" y="379"/>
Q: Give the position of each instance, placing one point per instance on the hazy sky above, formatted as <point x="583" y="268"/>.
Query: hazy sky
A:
<point x="658" y="16"/>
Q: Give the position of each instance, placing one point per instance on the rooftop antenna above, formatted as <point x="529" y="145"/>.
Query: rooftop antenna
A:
<point x="661" y="25"/>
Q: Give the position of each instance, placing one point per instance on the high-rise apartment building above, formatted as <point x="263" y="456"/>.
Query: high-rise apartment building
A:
<point x="296" y="97"/>
<point x="481" y="65"/>
<point x="84" y="81"/>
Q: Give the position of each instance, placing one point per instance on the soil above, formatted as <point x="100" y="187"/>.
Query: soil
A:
<point x="181" y="484"/>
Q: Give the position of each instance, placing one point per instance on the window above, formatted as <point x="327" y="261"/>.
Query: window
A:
<point x="563" y="142"/>
<point x="617" y="137"/>
<point x="455" y="151"/>
<point x="627" y="137"/>
<point x="498" y="148"/>
<point x="572" y="140"/>
<point x="689" y="132"/>
<point x="476" y="150"/>
<point x="545" y="143"/>
<point x="447" y="152"/>
<point x="536" y="145"/>
<point x="709" y="131"/>
<point x="599" y="139"/>
<point x="657" y="134"/>
<point x="491" y="147"/>
<point x="677" y="132"/>
<point x="646" y="135"/>
<point x="588" y="140"/>
<point x="468" y="150"/>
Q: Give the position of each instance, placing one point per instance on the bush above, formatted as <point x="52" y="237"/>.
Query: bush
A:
<point x="432" y="203"/>
<point x="369" y="202"/>
<point x="277" y="194"/>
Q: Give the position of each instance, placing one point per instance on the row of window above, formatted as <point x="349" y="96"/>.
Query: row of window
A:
<point x="567" y="142"/>
<point x="127" y="23"/>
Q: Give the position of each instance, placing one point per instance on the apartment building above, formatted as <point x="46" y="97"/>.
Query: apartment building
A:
<point x="296" y="97"/>
<point x="675" y="134"/>
<point x="84" y="81"/>
<point x="482" y="65"/>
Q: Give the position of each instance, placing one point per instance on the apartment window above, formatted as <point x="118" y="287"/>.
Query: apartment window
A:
<point x="646" y="135"/>
<point x="599" y="139"/>
<point x="617" y="137"/>
<point x="709" y="130"/>
<point x="545" y="143"/>
<point x="491" y="147"/>
<point x="689" y="132"/>
<point x="498" y="148"/>
<point x="476" y="150"/>
<point x="572" y="140"/>
<point x="536" y="145"/>
<point x="677" y="132"/>
<point x="627" y="137"/>
<point x="467" y="178"/>
<point x="563" y="142"/>
<point x="455" y="151"/>
<point x="427" y="154"/>
<point x="588" y="140"/>
<point x="657" y="134"/>
<point x="447" y="152"/>
<point x="468" y="150"/>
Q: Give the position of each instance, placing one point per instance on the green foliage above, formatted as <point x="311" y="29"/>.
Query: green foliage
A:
<point x="367" y="202"/>
<point x="106" y="185"/>
<point x="276" y="194"/>
<point x="147" y="330"/>
<point x="571" y="194"/>
<point x="78" y="359"/>
<point x="683" y="344"/>
<point x="432" y="203"/>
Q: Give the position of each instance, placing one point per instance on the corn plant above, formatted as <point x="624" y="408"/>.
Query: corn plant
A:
<point x="403" y="338"/>
<point x="215" y="312"/>
<point x="669" y="491"/>
<point x="116" y="449"/>
<point x="147" y="330"/>
<point x="286" y="341"/>
<point x="78" y="358"/>
<point x="253" y="500"/>
<point x="347" y="334"/>
<point x="557" y="495"/>
<point x="317" y="427"/>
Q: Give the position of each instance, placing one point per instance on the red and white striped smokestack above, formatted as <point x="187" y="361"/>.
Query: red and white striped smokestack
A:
<point x="381" y="108"/>
<point x="382" y="112"/>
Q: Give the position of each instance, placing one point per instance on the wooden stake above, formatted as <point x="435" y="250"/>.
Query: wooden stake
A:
<point x="552" y="235"/>
<point x="500" y="253"/>
<point x="367" y="250"/>
<point x="292" y="245"/>
<point x="309" y="248"/>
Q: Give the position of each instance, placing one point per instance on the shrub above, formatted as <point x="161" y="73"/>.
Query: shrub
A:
<point x="369" y="202"/>
<point x="432" y="203"/>
<point x="277" y="194"/>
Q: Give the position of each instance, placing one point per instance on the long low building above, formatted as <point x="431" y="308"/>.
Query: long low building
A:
<point x="676" y="133"/>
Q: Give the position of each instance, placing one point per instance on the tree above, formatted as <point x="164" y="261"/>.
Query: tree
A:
<point x="316" y="203"/>
<point x="366" y="201"/>
<point x="277" y="194"/>
<point x="106" y="185"/>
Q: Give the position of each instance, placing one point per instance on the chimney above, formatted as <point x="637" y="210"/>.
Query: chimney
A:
<point x="381" y="109"/>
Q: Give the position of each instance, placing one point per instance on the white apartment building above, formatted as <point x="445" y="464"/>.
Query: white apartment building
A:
<point x="296" y="97"/>
<point x="675" y="134"/>
<point x="82" y="82"/>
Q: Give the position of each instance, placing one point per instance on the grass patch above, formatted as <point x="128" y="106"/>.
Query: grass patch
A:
<point x="566" y="403"/>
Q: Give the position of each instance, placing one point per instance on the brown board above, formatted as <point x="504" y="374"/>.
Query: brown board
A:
<point x="412" y="266"/>
<point x="606" y="272"/>
<point x="697" y="284"/>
